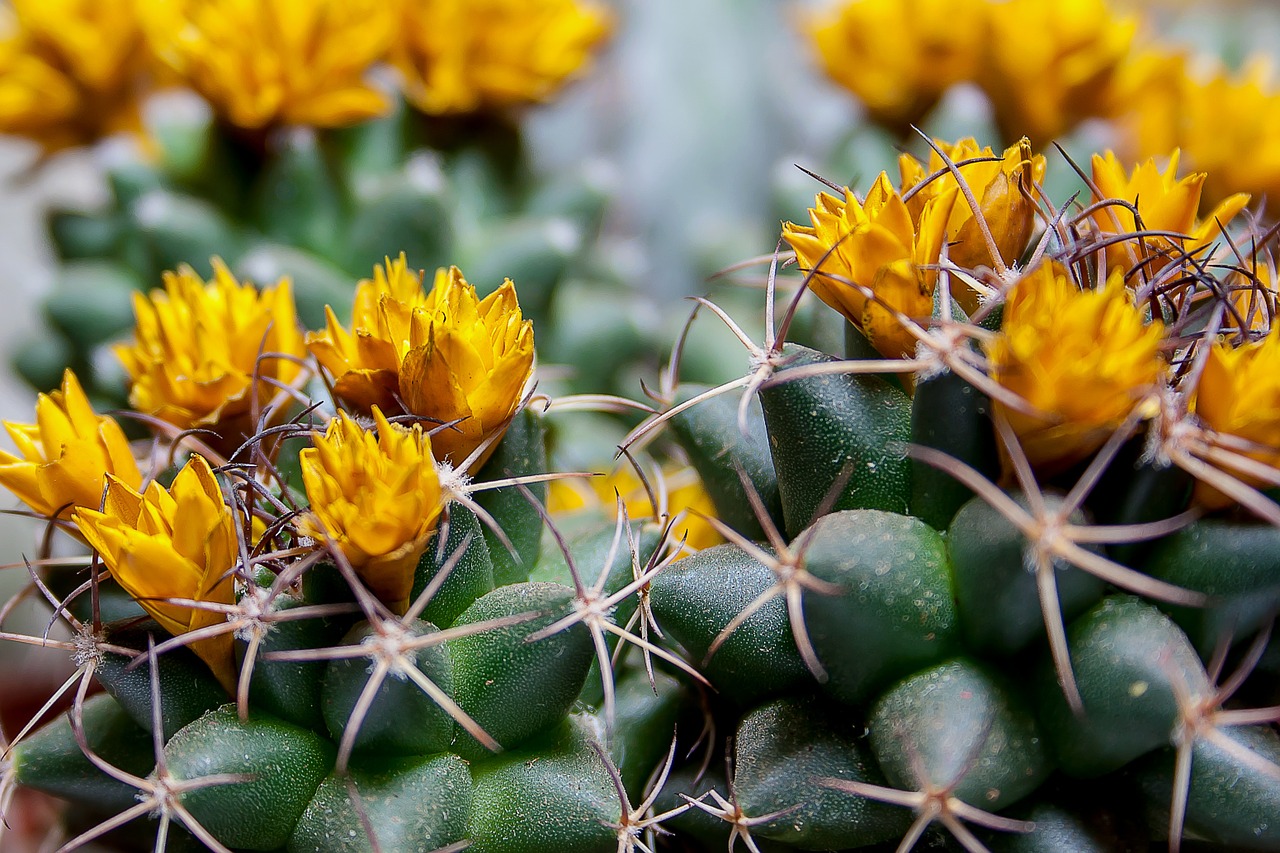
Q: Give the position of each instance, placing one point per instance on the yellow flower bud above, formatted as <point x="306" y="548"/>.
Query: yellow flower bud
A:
<point x="1005" y="190"/>
<point x="66" y="454"/>
<point x="198" y="347"/>
<point x="172" y="543"/>
<point x="1082" y="358"/>
<point x="874" y="243"/>
<point x="377" y="496"/>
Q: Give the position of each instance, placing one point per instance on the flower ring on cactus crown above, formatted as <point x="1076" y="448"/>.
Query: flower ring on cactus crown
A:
<point x="1052" y="538"/>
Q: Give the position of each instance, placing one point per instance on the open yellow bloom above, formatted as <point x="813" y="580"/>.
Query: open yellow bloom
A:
<point x="178" y="543"/>
<point x="198" y="345"/>
<point x="1004" y="189"/>
<point x="447" y="355"/>
<point x="877" y="244"/>
<point x="461" y="56"/>
<point x="1052" y="63"/>
<point x="262" y="63"/>
<point x="1239" y="397"/>
<point x="900" y="56"/>
<point x="684" y="494"/>
<point x="65" y="455"/>
<point x="377" y="496"/>
<point x="70" y="70"/>
<point x="1083" y="358"/>
<point x="1164" y="203"/>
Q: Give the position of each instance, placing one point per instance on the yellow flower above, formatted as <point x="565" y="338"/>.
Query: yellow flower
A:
<point x="1239" y="396"/>
<point x="1052" y="63"/>
<point x="365" y="363"/>
<point x="168" y="544"/>
<point x="197" y="348"/>
<point x="876" y="244"/>
<point x="1164" y="204"/>
<point x="684" y="494"/>
<point x="262" y="63"/>
<point x="900" y="56"/>
<point x="70" y="70"/>
<point x="447" y="355"/>
<point x="461" y="56"/>
<point x="66" y="454"/>
<point x="1004" y="189"/>
<point x="1083" y="358"/>
<point x="1253" y="298"/>
<point x="377" y="497"/>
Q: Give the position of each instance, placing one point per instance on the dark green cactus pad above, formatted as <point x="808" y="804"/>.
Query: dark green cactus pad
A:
<point x="187" y="687"/>
<point x="963" y="728"/>
<point x="949" y="415"/>
<point x="471" y="577"/>
<point x="995" y="582"/>
<point x="402" y="719"/>
<point x="709" y="433"/>
<point x="296" y="199"/>
<point x="1231" y="802"/>
<point x="413" y="805"/>
<point x="696" y="598"/>
<point x="92" y="301"/>
<point x="1127" y="657"/>
<point x="785" y="749"/>
<point x="553" y="796"/>
<point x="50" y="759"/>
<point x="1108" y="822"/>
<point x="522" y="451"/>
<point x="894" y="613"/>
<point x="285" y="764"/>
<point x="1237" y="564"/>
<point x="513" y="688"/>
<point x="820" y="425"/>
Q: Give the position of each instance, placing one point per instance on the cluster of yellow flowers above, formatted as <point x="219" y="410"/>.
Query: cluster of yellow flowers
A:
<point x="1044" y="64"/>
<point x="206" y="356"/>
<point x="72" y="71"/>
<point x="1076" y="347"/>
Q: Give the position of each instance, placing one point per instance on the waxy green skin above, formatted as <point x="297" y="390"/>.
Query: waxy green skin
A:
<point x="471" y="575"/>
<point x="949" y="415"/>
<point x="283" y="765"/>
<point x="522" y="452"/>
<point x="823" y="425"/>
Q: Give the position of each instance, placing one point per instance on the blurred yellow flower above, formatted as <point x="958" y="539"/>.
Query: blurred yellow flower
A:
<point x="70" y="70"/>
<point x="1082" y="358"/>
<point x="1227" y="125"/>
<point x="178" y="543"/>
<point x="199" y="347"/>
<point x="1239" y="397"/>
<point x="684" y="493"/>
<point x="874" y="243"/>
<point x="1052" y="63"/>
<point x="900" y="56"/>
<point x="376" y="494"/>
<point x="460" y="56"/>
<point x="1005" y="190"/>
<point x="262" y="63"/>
<point x="1164" y="203"/>
<point x="447" y="355"/>
<point x="66" y="454"/>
